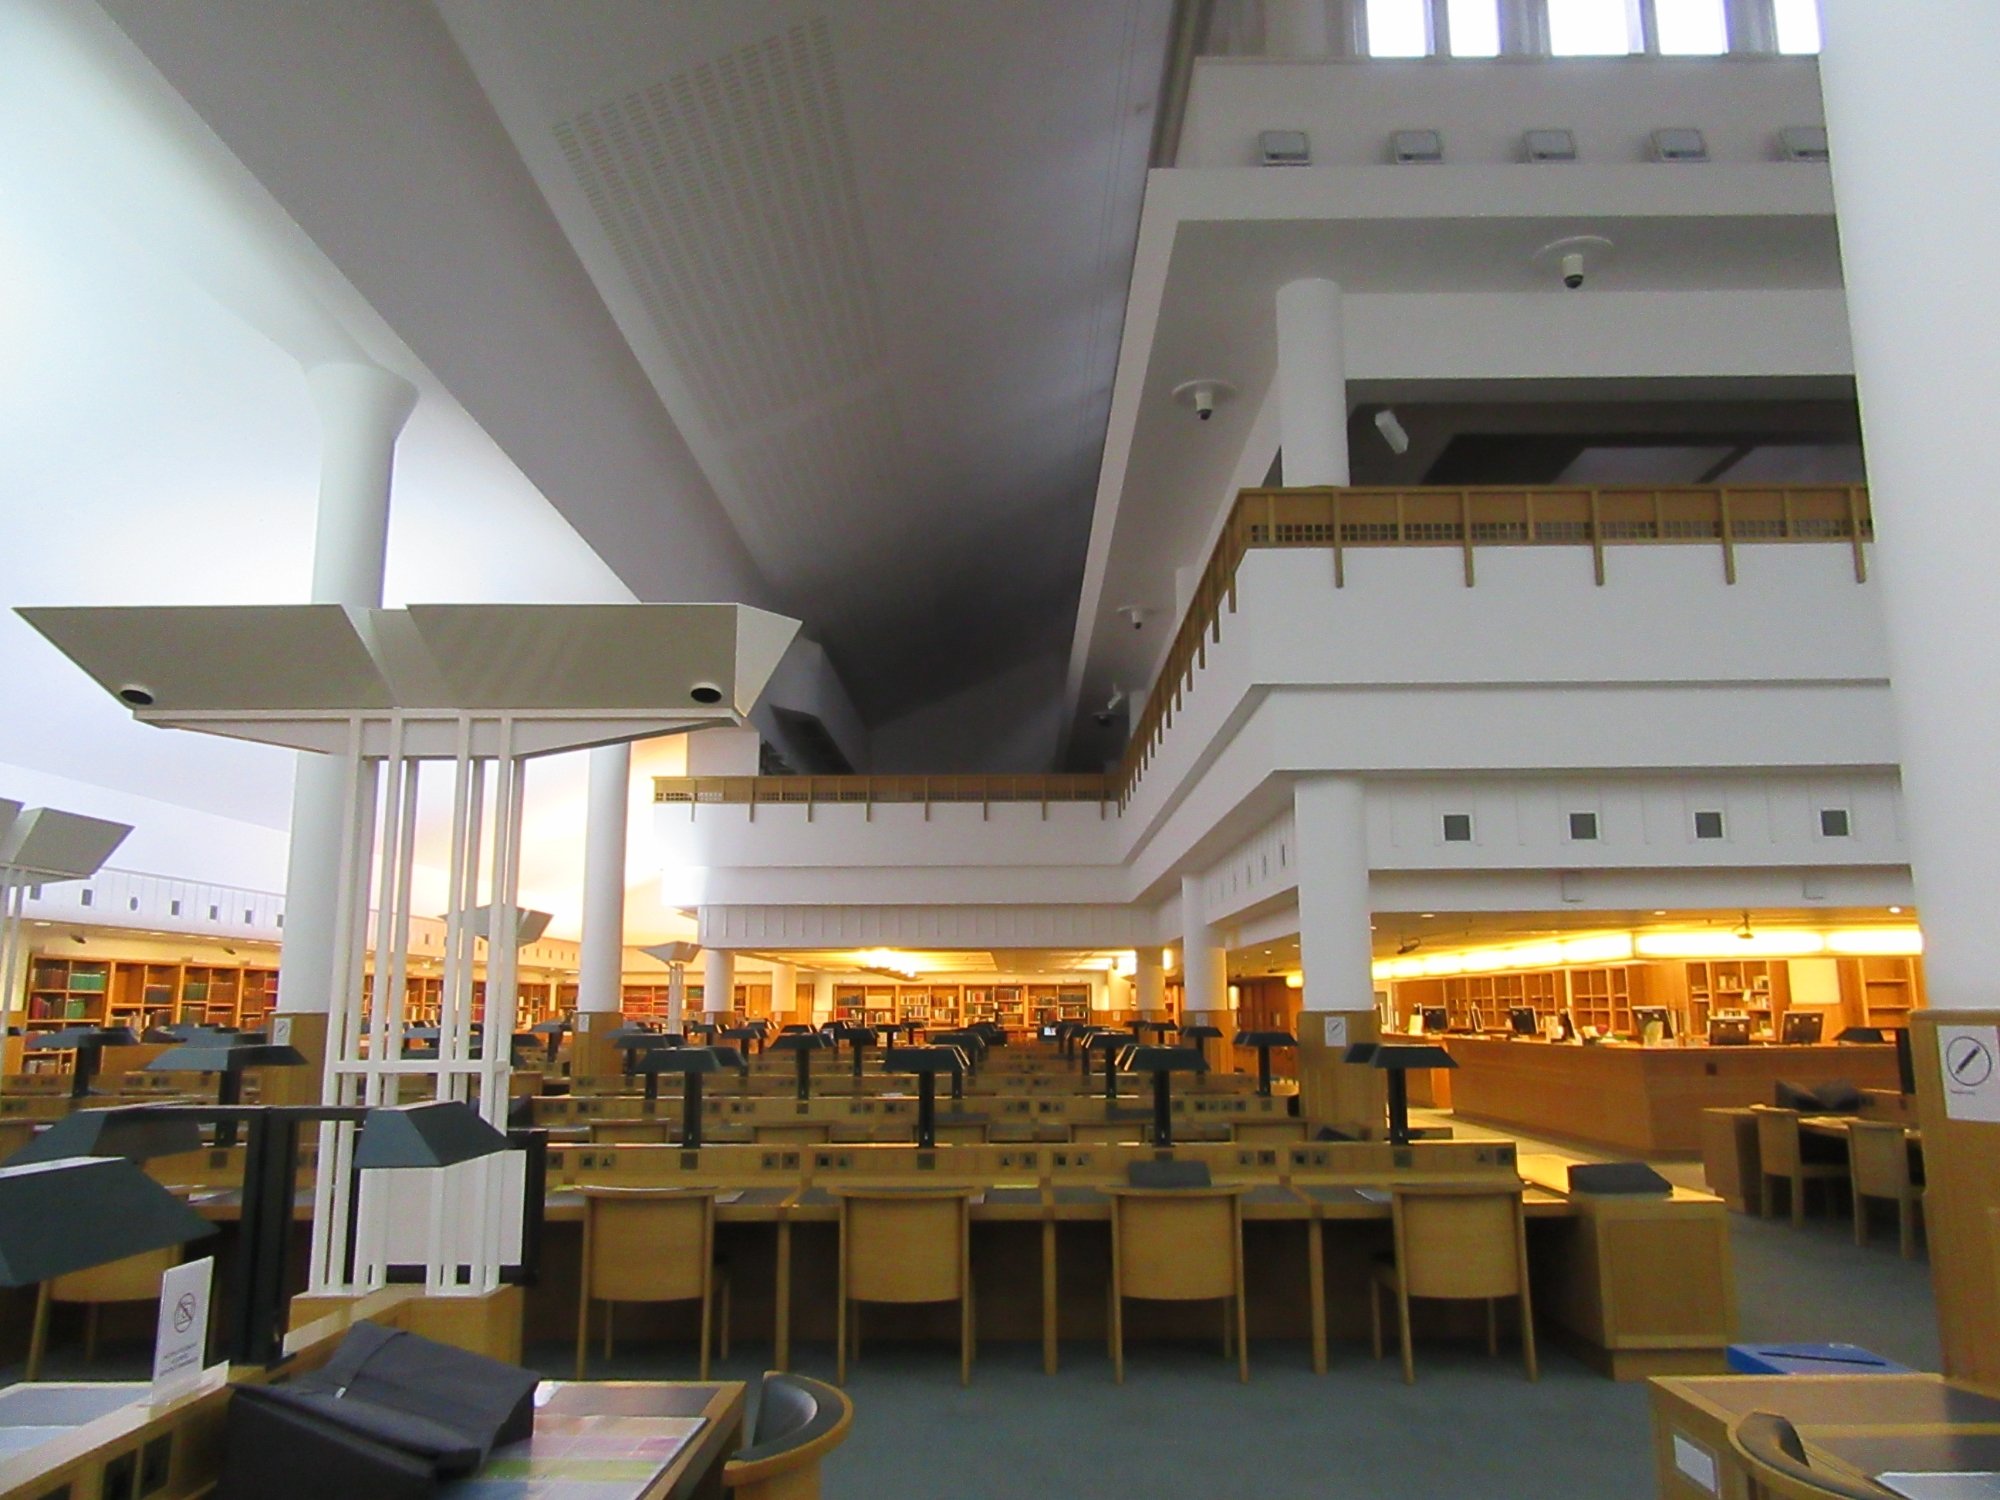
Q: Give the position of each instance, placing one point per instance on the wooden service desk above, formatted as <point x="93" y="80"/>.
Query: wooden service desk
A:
<point x="1314" y="1216"/>
<point x="1856" y="1426"/>
<point x="1646" y="1100"/>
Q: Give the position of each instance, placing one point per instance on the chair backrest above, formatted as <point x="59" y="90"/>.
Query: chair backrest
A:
<point x="1880" y="1155"/>
<point x="647" y="1244"/>
<point x="1459" y="1242"/>
<point x="799" y="1421"/>
<point x="1777" y="1139"/>
<point x="1177" y="1244"/>
<point x="905" y="1246"/>
<point x="1770" y="1450"/>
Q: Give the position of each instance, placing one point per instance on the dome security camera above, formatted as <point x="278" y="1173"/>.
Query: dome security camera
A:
<point x="1572" y="270"/>
<point x="1203" y="396"/>
<point x="705" y="693"/>
<point x="136" y="695"/>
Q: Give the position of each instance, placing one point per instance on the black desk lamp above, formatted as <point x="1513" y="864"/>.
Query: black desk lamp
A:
<point x="706" y="1030"/>
<point x="553" y="1032"/>
<point x="75" y="1213"/>
<point x="802" y="1045"/>
<point x="229" y="1063"/>
<point x="637" y="1041"/>
<point x="134" y="1134"/>
<point x="87" y="1042"/>
<point x="1066" y="1032"/>
<point x="798" y="1028"/>
<point x="973" y="1044"/>
<point x="1201" y="1036"/>
<point x="1111" y="1044"/>
<point x="1264" y="1041"/>
<point x="692" y="1063"/>
<point x="926" y="1063"/>
<point x="745" y="1037"/>
<point x="1160" y="1029"/>
<point x="993" y="1031"/>
<point x="440" y="1133"/>
<point x="1398" y="1062"/>
<point x="1163" y="1063"/>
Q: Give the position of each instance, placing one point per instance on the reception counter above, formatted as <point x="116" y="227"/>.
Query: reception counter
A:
<point x="1647" y="1100"/>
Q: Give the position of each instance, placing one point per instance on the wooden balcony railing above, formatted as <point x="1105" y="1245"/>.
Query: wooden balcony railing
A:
<point x="1341" y="520"/>
<point x="813" y="791"/>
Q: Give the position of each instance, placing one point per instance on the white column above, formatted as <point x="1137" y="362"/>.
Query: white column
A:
<point x="1335" y="948"/>
<point x="784" y="990"/>
<point x="1205" y="982"/>
<point x="1753" y="25"/>
<point x="718" y="982"/>
<point x="1149" y="981"/>
<point x="822" y="999"/>
<point x="1312" y="383"/>
<point x="361" y="410"/>
<point x="676" y="996"/>
<point x="1913" y="136"/>
<point x="600" y="984"/>
<point x="1524" y="28"/>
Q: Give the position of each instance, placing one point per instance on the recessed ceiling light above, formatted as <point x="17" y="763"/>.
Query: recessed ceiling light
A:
<point x="1426" y="915"/>
<point x="1894" y="911"/>
<point x="1660" y="912"/>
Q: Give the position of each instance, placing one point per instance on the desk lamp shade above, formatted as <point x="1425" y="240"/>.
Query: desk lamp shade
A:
<point x="1264" y="1041"/>
<point x="216" y="1056"/>
<point x="550" y="1028"/>
<point x="70" y="1215"/>
<point x="693" y="1064"/>
<point x="1398" y="1062"/>
<point x="134" y="1134"/>
<point x="1163" y="1063"/>
<point x="1113" y="1044"/>
<point x="439" y="1134"/>
<point x="74" y="1038"/>
<point x="798" y="1028"/>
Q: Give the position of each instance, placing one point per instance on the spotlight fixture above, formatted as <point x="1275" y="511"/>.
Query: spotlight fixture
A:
<point x="1743" y="929"/>
<point x="1408" y="945"/>
<point x="1203" y="396"/>
<point x="1392" y="430"/>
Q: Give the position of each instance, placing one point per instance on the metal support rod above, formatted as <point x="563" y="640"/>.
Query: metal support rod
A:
<point x="1111" y="1075"/>
<point x="803" y="1061"/>
<point x="1399" y="1107"/>
<point x="927" y="1111"/>
<point x="1264" y="1072"/>
<point x="270" y="1169"/>
<point x="691" y="1113"/>
<point x="1163" y="1109"/>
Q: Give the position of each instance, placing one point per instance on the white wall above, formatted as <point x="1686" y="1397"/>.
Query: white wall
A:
<point x="1006" y="723"/>
<point x="1611" y="104"/>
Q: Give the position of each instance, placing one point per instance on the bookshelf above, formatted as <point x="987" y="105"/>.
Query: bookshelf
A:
<point x="1880" y="991"/>
<point x="1758" y="987"/>
<point x="67" y="992"/>
<point x="143" y="992"/>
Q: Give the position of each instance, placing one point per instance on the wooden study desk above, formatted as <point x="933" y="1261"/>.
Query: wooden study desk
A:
<point x="1857" y="1426"/>
<point x="1645" y="1100"/>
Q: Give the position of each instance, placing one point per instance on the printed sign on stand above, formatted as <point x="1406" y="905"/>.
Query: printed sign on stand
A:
<point x="1969" y="1063"/>
<point x="182" y="1341"/>
<point x="1336" y="1032"/>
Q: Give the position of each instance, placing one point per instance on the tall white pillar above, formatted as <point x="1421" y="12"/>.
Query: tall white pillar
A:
<point x="1149" y="981"/>
<point x="1312" y="383"/>
<point x="1752" y="25"/>
<point x="361" y="410"/>
<point x="600" y="982"/>
<point x="676" y="996"/>
<point x="1524" y="28"/>
<point x="1298" y="28"/>
<point x="822" y="1010"/>
<point x="1913" y="134"/>
<point x="718" y="982"/>
<point x="1336" y="951"/>
<point x="1205" y="980"/>
<point x="784" y="991"/>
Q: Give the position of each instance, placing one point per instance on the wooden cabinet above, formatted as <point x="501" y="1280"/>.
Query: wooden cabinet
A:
<point x="1880" y="991"/>
<point x="1601" y="998"/>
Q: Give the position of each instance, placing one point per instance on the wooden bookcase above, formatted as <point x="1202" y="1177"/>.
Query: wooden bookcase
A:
<point x="143" y="992"/>
<point x="67" y="992"/>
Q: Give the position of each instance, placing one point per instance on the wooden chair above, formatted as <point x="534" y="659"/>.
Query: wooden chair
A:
<point x="1456" y="1243"/>
<point x="1878" y="1164"/>
<point x="136" y="1278"/>
<point x="1178" y="1245"/>
<point x="1781" y="1156"/>
<point x="904" y="1247"/>
<point x="649" y="1245"/>
<point x="799" y="1422"/>
<point x="1775" y="1460"/>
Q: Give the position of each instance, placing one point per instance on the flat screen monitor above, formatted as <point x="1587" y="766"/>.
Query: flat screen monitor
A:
<point x="1434" y="1018"/>
<point x="1522" y="1021"/>
<point x="1644" y="1015"/>
<point x="1802" y="1028"/>
<point x="1729" y="1031"/>
<point x="1048" y="1033"/>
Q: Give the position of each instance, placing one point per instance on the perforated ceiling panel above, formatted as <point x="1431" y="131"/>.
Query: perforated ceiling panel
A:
<point x="728" y="194"/>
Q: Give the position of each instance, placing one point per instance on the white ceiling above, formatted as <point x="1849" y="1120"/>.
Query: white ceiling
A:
<point x="872" y="258"/>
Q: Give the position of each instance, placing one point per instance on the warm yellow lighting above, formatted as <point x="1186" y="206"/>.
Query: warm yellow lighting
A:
<point x="1605" y="948"/>
<point x="887" y="958"/>
<point x="1775" y="942"/>
<point x="1295" y="981"/>
<point x="1235" y="997"/>
<point x="1127" y="963"/>
<point x="1169" y="960"/>
<point x="1868" y="941"/>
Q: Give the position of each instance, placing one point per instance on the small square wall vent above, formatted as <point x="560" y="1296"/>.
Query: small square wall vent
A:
<point x="1458" y="828"/>
<point x="1833" y="823"/>
<point x="1708" y="825"/>
<point x="1416" y="147"/>
<point x="1679" y="143"/>
<point x="1284" y="148"/>
<point x="1548" y="145"/>
<point x="1582" y="826"/>
<point x="1803" y="143"/>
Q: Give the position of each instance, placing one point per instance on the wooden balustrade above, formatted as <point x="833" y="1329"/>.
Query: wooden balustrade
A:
<point x="1343" y="520"/>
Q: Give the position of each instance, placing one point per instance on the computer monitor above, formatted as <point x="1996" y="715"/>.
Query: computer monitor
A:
<point x="1434" y="1018"/>
<point x="1522" y="1021"/>
<point x="1643" y="1015"/>
<point x="1802" y="1028"/>
<point x="1048" y="1033"/>
<point x="1729" y="1031"/>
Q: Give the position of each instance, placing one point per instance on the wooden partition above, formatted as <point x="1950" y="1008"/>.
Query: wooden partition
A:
<point x="1961" y="1206"/>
